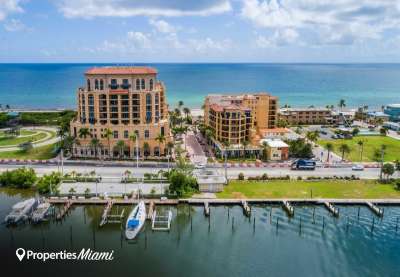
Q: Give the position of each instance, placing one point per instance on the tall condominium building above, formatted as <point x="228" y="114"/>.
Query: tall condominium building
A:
<point x="125" y="101"/>
<point x="238" y="118"/>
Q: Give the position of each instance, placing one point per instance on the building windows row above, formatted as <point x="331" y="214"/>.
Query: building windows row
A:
<point x="99" y="84"/>
<point x="126" y="134"/>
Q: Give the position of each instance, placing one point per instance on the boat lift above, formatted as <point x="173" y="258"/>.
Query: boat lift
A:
<point x="161" y="222"/>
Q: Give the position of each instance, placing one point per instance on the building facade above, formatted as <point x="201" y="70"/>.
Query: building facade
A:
<point x="234" y="119"/>
<point x="116" y="103"/>
<point x="298" y="116"/>
<point x="276" y="149"/>
<point x="393" y="111"/>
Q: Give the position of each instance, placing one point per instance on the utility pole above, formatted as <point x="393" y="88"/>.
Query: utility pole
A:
<point x="226" y="169"/>
<point x="137" y="155"/>
<point x="62" y="161"/>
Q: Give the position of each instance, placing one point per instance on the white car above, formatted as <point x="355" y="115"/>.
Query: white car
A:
<point x="357" y="167"/>
<point x="199" y="166"/>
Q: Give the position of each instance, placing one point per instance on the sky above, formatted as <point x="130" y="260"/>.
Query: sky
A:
<point x="278" y="31"/>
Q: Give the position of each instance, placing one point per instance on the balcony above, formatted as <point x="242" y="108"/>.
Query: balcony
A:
<point x="113" y="86"/>
<point x="125" y="86"/>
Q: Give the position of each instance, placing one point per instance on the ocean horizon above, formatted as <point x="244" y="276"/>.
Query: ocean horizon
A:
<point x="54" y="85"/>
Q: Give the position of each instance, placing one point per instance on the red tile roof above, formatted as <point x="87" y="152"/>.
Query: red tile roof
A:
<point x="126" y="70"/>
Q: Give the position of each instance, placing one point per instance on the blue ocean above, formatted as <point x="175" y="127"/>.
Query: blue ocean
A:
<point x="48" y="86"/>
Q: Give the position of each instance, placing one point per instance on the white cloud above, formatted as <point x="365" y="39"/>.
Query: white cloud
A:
<point x="162" y="26"/>
<point x="279" y="38"/>
<point x="208" y="44"/>
<point x="14" y="25"/>
<point x="139" y="40"/>
<point x="9" y="6"/>
<point x="337" y="22"/>
<point x="140" y="44"/>
<point x="127" y="8"/>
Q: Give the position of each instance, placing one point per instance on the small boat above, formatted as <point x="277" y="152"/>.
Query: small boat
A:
<point x="135" y="220"/>
<point x="21" y="211"/>
<point x="41" y="212"/>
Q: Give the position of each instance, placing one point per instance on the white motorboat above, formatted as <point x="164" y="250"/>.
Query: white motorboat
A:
<point x="21" y="211"/>
<point x="135" y="221"/>
<point x="41" y="212"/>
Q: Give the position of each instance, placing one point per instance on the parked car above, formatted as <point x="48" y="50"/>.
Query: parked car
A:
<point x="303" y="164"/>
<point x="357" y="167"/>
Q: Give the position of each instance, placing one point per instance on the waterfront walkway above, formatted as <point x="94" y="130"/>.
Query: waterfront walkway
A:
<point x="191" y="201"/>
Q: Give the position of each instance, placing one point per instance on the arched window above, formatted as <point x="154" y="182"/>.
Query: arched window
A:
<point x="156" y="151"/>
<point x="148" y="99"/>
<point x="101" y="84"/>
<point x="143" y="84"/>
<point x="137" y="84"/>
<point x="96" y="84"/>
<point x="88" y="84"/>
<point x="151" y="84"/>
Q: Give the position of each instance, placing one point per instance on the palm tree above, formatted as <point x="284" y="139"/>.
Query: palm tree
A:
<point x="146" y="149"/>
<point x="245" y="143"/>
<point x="84" y="132"/>
<point x="345" y="149"/>
<point x="226" y="144"/>
<point x="133" y="137"/>
<point x="312" y="136"/>
<point x="383" y="148"/>
<point x="160" y="139"/>
<point x="184" y="131"/>
<point x="186" y="111"/>
<point x="170" y="146"/>
<point x="329" y="147"/>
<point x="383" y="131"/>
<point x="94" y="144"/>
<point x="180" y="104"/>
<point x="265" y="148"/>
<point x="361" y="146"/>
<point x="342" y="104"/>
<point x="121" y="147"/>
<point x="107" y="134"/>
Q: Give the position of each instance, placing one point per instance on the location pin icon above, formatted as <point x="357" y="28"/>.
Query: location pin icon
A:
<point x="20" y="253"/>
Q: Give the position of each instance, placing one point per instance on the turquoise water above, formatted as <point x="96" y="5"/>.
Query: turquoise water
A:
<point x="313" y="243"/>
<point x="54" y="85"/>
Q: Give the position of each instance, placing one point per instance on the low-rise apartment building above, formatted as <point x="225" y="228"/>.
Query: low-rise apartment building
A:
<point x="299" y="116"/>
<point x="116" y="103"/>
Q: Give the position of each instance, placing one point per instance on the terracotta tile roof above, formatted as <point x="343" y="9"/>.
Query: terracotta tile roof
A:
<point x="125" y="70"/>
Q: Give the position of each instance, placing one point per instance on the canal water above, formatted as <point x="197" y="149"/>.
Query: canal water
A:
<point x="313" y="243"/>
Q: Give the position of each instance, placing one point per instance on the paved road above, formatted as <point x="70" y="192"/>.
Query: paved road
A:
<point x="113" y="171"/>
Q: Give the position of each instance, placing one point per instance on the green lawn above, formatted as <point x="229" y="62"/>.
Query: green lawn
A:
<point x="302" y="189"/>
<point x="39" y="153"/>
<point x="12" y="141"/>
<point x="371" y="143"/>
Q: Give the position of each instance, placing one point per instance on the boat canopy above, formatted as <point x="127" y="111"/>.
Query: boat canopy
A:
<point x="133" y="223"/>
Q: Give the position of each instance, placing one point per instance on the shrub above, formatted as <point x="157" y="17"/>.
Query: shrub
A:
<point x="241" y="176"/>
<point x="397" y="184"/>
<point x="299" y="178"/>
<point x="181" y="183"/>
<point x="49" y="183"/>
<point x="19" y="178"/>
<point x="264" y="176"/>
